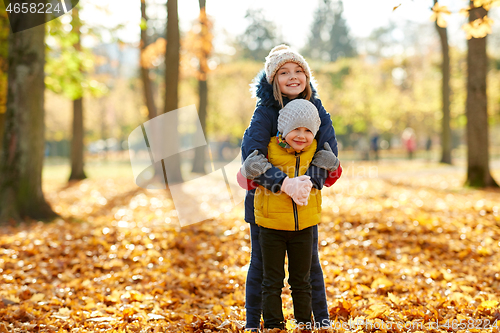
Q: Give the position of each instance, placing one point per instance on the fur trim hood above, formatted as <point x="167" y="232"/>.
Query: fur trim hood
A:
<point x="263" y="91"/>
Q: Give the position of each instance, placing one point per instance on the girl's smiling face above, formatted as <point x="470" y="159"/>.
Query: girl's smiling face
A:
<point x="291" y="80"/>
<point x="299" y="138"/>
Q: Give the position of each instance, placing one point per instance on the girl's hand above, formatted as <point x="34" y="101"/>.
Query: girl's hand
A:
<point x="255" y="165"/>
<point x="326" y="159"/>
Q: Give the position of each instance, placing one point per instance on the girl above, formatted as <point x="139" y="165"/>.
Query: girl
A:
<point x="286" y="77"/>
<point x="285" y="227"/>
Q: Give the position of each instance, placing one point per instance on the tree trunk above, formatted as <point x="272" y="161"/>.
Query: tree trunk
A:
<point x="77" y="172"/>
<point x="173" y="163"/>
<point x="199" y="153"/>
<point x="4" y="46"/>
<point x="23" y="147"/>
<point x="104" y="127"/>
<point x="478" y="172"/>
<point x="2" y="128"/>
<point x="445" y="92"/>
<point x="77" y="160"/>
<point x="146" y="81"/>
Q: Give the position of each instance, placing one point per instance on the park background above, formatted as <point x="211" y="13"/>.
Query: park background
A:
<point x="404" y="237"/>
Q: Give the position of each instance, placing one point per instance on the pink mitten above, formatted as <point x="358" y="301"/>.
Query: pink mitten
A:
<point x="298" y="189"/>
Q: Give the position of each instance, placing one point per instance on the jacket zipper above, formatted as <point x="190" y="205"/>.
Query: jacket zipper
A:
<point x="295" y="213"/>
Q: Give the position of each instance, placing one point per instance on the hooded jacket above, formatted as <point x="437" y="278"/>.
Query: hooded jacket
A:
<point x="264" y="125"/>
<point x="279" y="211"/>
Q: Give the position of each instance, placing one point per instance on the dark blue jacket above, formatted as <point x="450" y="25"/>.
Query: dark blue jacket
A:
<point x="264" y="124"/>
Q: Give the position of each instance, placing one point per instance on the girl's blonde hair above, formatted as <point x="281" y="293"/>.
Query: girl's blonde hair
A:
<point x="278" y="95"/>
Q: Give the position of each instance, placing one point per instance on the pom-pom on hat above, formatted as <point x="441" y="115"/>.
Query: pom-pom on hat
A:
<point x="279" y="56"/>
<point x="298" y="113"/>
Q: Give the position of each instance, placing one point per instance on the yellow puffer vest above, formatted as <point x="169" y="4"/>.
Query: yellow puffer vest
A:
<point x="277" y="210"/>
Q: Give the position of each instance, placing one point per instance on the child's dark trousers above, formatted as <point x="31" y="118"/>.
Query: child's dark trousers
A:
<point x="253" y="293"/>
<point x="275" y="245"/>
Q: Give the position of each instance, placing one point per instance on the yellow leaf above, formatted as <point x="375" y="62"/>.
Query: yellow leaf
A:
<point x="438" y="13"/>
<point x="457" y="297"/>
<point x="217" y="308"/>
<point x="447" y="276"/>
<point x="437" y="8"/>
<point x="491" y="304"/>
<point x="393" y="298"/>
<point x="479" y="28"/>
<point x="113" y="263"/>
<point x="154" y="316"/>
<point x="114" y="297"/>
<point x="362" y="288"/>
<point x="37" y="297"/>
<point x="441" y="22"/>
<point x="478" y="3"/>
<point x="483" y="251"/>
<point x="64" y="311"/>
<point x="462" y="254"/>
<point x="486" y="4"/>
<point x="290" y="325"/>
<point x="129" y="312"/>
<point x="188" y="318"/>
<point x="382" y="282"/>
<point x="468" y="289"/>
<point x="133" y="295"/>
<point x="101" y="319"/>
<point x="464" y="11"/>
<point x="378" y="310"/>
<point x="13" y="298"/>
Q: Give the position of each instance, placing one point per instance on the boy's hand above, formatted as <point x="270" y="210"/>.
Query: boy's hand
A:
<point x="298" y="189"/>
<point x="326" y="159"/>
<point x="255" y="165"/>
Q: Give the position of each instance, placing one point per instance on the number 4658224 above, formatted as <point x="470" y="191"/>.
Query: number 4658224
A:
<point x="25" y="8"/>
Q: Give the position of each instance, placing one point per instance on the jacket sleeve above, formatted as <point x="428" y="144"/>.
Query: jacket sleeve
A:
<point x="246" y="183"/>
<point x="326" y="133"/>
<point x="257" y="136"/>
<point x="333" y="176"/>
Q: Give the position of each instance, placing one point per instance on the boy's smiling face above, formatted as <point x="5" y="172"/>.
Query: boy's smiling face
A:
<point x="299" y="138"/>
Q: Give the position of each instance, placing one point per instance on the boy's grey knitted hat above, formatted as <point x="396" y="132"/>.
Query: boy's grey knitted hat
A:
<point x="298" y="113"/>
<point x="279" y="56"/>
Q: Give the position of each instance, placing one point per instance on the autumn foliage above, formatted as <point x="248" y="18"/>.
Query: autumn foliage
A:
<point x="479" y="27"/>
<point x="399" y="243"/>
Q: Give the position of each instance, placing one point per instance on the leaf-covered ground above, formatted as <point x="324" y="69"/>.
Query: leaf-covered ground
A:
<point x="404" y="248"/>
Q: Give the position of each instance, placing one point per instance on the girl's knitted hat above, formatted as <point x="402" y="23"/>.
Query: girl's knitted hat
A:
<point x="298" y="113"/>
<point x="279" y="56"/>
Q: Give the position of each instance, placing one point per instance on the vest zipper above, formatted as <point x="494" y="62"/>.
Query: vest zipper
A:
<point x="295" y="213"/>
